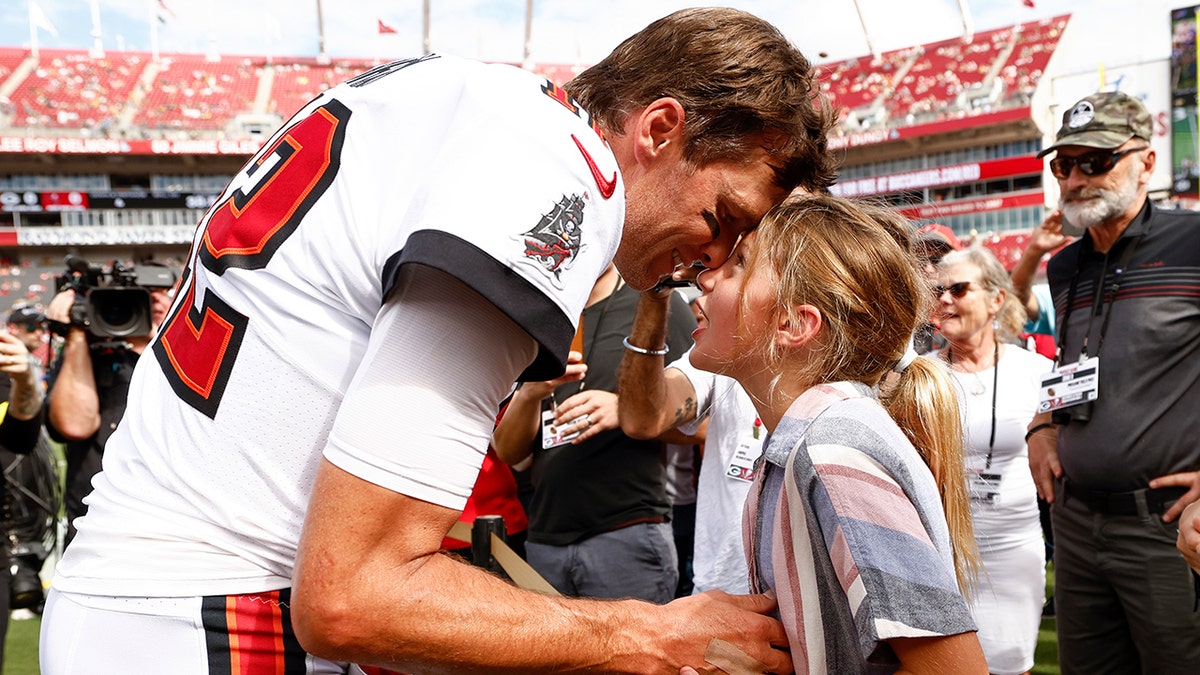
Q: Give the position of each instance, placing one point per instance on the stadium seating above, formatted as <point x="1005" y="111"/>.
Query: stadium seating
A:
<point x="857" y="83"/>
<point x="298" y="82"/>
<point x="72" y="89"/>
<point x="193" y="95"/>
<point x="1035" y="44"/>
<point x="191" y="92"/>
<point x="942" y="72"/>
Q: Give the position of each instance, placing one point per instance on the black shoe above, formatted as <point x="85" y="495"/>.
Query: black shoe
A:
<point x="1048" y="608"/>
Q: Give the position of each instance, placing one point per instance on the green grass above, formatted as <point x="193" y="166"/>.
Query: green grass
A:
<point x="1045" y="657"/>
<point x="21" y="647"/>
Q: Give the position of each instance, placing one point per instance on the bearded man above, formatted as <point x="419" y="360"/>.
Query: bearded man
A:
<point x="1117" y="444"/>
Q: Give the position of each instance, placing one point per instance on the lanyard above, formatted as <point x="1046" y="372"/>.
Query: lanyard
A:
<point x="591" y="344"/>
<point x="1097" y="299"/>
<point x="995" y="382"/>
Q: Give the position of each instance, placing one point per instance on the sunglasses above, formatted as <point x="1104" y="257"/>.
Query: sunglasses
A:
<point x="1091" y="163"/>
<point x="957" y="290"/>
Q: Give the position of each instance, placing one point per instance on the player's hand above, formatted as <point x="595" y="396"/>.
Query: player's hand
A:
<point x="1188" y="479"/>
<point x="591" y="412"/>
<point x="1188" y="541"/>
<point x="693" y="621"/>
<point x="1043" y="462"/>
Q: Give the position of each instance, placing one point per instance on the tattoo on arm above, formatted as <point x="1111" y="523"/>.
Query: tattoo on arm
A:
<point x="686" y="412"/>
<point x="26" y="400"/>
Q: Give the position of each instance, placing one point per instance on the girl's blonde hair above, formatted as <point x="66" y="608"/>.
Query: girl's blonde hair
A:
<point x="854" y="262"/>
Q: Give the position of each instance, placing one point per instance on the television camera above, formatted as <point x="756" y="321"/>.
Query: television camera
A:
<point x="113" y="301"/>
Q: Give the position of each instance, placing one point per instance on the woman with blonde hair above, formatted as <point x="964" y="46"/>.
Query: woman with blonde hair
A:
<point x="858" y="519"/>
<point x="998" y="386"/>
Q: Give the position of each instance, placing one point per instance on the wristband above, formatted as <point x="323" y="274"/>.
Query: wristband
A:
<point x="1043" y="425"/>
<point x="647" y="352"/>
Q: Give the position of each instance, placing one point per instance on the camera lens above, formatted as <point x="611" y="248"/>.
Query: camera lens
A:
<point x="119" y="312"/>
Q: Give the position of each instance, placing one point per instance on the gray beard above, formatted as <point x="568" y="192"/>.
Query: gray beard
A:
<point x="1095" y="206"/>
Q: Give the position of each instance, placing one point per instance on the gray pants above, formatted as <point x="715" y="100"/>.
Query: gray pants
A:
<point x="1123" y="595"/>
<point x="633" y="562"/>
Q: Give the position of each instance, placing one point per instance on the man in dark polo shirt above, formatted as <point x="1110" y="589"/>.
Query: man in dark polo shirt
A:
<point x="1127" y="296"/>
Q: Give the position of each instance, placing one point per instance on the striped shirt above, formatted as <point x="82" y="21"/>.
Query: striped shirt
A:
<point x="845" y="525"/>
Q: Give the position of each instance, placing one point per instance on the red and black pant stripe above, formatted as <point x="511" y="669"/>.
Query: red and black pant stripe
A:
<point x="251" y="635"/>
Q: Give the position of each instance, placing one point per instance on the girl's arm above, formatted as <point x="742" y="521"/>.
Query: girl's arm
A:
<point x="959" y="653"/>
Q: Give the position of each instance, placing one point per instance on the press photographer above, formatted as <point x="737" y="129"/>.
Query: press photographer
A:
<point x="21" y="421"/>
<point x="106" y="316"/>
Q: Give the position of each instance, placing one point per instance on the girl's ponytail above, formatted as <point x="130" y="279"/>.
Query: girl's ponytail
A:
<point x="923" y="403"/>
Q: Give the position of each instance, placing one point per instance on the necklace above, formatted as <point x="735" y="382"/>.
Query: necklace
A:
<point x="977" y="391"/>
<point x="976" y="388"/>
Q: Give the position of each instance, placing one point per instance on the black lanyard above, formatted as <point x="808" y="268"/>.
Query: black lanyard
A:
<point x="1097" y="300"/>
<point x="591" y="345"/>
<point x="995" y="387"/>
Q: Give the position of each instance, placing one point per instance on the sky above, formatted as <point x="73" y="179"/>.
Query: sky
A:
<point x="564" y="31"/>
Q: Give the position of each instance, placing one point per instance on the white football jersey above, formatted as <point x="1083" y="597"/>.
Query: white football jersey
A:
<point x="486" y="172"/>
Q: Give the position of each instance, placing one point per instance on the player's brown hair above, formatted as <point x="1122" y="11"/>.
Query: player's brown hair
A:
<point x="854" y="262"/>
<point x="741" y="83"/>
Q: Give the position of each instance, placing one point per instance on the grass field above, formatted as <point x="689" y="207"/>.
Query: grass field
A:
<point x="20" y="649"/>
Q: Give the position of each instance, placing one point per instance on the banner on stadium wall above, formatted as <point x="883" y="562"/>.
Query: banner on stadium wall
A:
<point x="99" y="235"/>
<point x="27" y="201"/>
<point x="30" y="201"/>
<point x="966" y="206"/>
<point x="946" y="175"/>
<point x="116" y="146"/>
<point x="874" y="136"/>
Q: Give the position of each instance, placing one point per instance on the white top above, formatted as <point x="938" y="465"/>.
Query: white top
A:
<point x="719" y="558"/>
<point x="1012" y="517"/>
<point x="281" y="347"/>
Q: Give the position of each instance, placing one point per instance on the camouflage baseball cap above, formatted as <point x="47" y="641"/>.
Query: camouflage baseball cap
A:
<point x="1103" y="120"/>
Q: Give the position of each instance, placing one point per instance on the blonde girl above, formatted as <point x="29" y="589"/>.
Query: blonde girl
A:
<point x="858" y="520"/>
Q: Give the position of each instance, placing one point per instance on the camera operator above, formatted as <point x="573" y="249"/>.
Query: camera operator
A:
<point x="89" y="382"/>
<point x="19" y="428"/>
<point x="29" y="326"/>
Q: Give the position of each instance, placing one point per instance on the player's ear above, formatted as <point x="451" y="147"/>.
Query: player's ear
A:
<point x="658" y="130"/>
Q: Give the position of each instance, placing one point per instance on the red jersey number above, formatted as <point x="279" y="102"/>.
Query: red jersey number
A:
<point x="197" y="346"/>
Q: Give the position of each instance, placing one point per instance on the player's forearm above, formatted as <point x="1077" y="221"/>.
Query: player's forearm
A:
<point x="640" y="378"/>
<point x="370" y="587"/>
<point x="448" y="617"/>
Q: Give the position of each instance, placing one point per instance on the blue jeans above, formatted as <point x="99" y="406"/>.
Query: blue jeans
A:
<point x="637" y="561"/>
